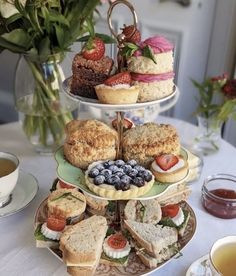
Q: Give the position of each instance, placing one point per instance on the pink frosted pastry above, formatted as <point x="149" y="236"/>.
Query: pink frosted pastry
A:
<point x="155" y="79"/>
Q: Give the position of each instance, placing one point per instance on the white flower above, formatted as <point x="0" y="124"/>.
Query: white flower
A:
<point x="7" y="7"/>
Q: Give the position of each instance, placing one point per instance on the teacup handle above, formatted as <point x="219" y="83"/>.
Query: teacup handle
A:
<point x="171" y="103"/>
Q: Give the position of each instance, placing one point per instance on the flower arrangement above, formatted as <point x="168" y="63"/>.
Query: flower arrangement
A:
<point x="43" y="31"/>
<point x="217" y="97"/>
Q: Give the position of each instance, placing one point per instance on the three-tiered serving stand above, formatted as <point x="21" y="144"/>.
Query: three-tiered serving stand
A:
<point x="74" y="176"/>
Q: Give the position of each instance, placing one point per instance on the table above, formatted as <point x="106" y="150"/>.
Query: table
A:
<point x="18" y="254"/>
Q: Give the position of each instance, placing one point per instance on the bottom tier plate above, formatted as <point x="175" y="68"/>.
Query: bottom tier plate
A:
<point x="134" y="266"/>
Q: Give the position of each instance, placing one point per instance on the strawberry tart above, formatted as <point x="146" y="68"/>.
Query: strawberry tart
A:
<point x="169" y="168"/>
<point x="151" y="67"/>
<point x="117" y="89"/>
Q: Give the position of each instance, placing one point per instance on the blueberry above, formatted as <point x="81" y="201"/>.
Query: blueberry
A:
<point x="93" y="173"/>
<point x="131" y="162"/>
<point x="113" y="168"/>
<point x="138" y="181"/>
<point x="106" y="173"/>
<point x="119" y="163"/>
<point x="100" y="167"/>
<point x="147" y="175"/>
<point x="139" y="168"/>
<point x="132" y="173"/>
<point x="126" y="168"/>
<point x="118" y="186"/>
<point x="98" y="180"/>
<point x="119" y="173"/>
<point x="108" y="163"/>
<point x="125" y="179"/>
<point x="125" y="186"/>
<point x="115" y="180"/>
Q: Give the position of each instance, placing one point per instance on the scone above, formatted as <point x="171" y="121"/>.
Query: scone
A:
<point x="146" y="141"/>
<point x="169" y="168"/>
<point x="117" y="90"/>
<point x="118" y="180"/>
<point x="147" y="211"/>
<point x="153" y="77"/>
<point x="67" y="204"/>
<point x="96" y="206"/>
<point x="88" y="141"/>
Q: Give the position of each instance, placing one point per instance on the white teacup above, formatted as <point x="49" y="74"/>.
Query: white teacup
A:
<point x="223" y="257"/>
<point x="9" y="172"/>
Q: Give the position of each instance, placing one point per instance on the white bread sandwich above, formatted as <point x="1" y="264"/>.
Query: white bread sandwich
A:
<point x="48" y="233"/>
<point x="153" y="238"/>
<point x="95" y="206"/>
<point x="65" y="203"/>
<point x="148" y="211"/>
<point x="81" y="244"/>
<point x="169" y="168"/>
<point x="174" y="215"/>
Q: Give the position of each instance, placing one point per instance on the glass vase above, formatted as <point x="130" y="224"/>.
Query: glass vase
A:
<point x="209" y="134"/>
<point x="43" y="108"/>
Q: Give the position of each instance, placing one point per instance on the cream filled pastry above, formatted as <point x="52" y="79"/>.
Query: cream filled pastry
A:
<point x="169" y="168"/>
<point x="154" y="76"/>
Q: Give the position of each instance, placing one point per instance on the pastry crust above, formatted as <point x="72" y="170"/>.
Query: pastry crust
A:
<point x="110" y="95"/>
<point x="88" y="141"/>
<point x="171" y="177"/>
<point x="144" y="142"/>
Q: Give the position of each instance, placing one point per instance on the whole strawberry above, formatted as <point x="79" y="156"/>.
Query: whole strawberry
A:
<point x="120" y="78"/>
<point x="130" y="36"/>
<point x="94" y="49"/>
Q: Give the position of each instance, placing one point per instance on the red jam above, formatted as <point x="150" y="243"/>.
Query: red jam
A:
<point x="220" y="202"/>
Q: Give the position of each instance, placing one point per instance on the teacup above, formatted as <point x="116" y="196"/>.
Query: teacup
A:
<point x="9" y="172"/>
<point x="223" y="257"/>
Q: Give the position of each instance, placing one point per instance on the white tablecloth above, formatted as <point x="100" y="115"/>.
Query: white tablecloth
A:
<point x="18" y="254"/>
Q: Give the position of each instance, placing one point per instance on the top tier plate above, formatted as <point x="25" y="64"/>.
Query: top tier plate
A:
<point x="115" y="107"/>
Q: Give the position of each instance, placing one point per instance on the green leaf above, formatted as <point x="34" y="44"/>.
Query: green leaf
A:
<point x="148" y="53"/>
<point x="60" y="36"/>
<point x="18" y="37"/>
<point x="44" y="47"/>
<point x="11" y="46"/>
<point x="13" y="18"/>
<point x="55" y="16"/>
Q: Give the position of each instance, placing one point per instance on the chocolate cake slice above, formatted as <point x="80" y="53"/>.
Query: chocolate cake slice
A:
<point x="88" y="73"/>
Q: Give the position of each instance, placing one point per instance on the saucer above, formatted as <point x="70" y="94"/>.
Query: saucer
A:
<point x="200" y="267"/>
<point x="24" y="192"/>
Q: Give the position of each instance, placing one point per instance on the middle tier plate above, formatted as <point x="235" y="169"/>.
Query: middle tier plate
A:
<point x="75" y="177"/>
<point x="117" y="107"/>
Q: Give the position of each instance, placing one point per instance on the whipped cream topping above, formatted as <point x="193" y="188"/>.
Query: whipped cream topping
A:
<point x="159" y="44"/>
<point x="118" y="86"/>
<point x="151" y="77"/>
<point x="177" y="166"/>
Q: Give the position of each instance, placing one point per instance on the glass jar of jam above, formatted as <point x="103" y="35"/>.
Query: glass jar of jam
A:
<point x="219" y="195"/>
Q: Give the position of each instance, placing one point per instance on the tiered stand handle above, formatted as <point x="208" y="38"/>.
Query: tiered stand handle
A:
<point x="120" y="64"/>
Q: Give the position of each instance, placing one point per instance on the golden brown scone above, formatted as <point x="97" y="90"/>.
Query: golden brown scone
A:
<point x="146" y="141"/>
<point x="88" y="141"/>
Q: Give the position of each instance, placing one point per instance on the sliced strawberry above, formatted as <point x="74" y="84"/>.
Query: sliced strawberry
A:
<point x="117" y="241"/>
<point x="120" y="78"/>
<point x="166" y="161"/>
<point x="170" y="210"/>
<point x="94" y="49"/>
<point x="131" y="35"/>
<point x="63" y="185"/>
<point x="127" y="124"/>
<point x="56" y="224"/>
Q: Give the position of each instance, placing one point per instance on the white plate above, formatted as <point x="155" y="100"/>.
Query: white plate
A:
<point x="24" y="192"/>
<point x="117" y="107"/>
<point x="200" y="267"/>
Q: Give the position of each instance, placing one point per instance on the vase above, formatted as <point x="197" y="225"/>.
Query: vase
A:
<point x="209" y="134"/>
<point x="43" y="108"/>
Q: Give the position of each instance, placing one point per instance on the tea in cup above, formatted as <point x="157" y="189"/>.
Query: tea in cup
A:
<point x="223" y="257"/>
<point x="9" y="172"/>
